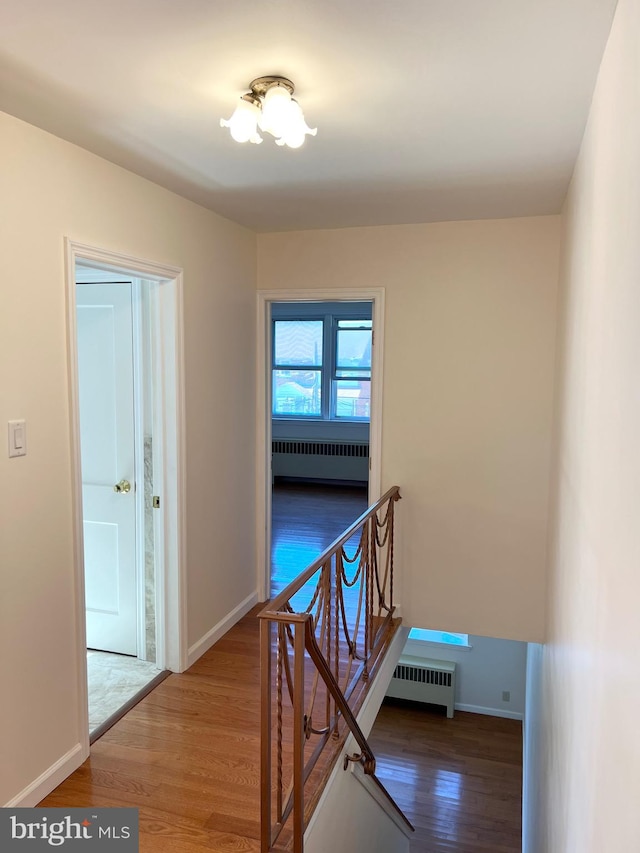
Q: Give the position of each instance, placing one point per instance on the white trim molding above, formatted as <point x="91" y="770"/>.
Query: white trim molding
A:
<point x="490" y="712"/>
<point x="50" y="779"/>
<point x="139" y="376"/>
<point x="212" y="636"/>
<point x="172" y="650"/>
<point x="126" y="264"/>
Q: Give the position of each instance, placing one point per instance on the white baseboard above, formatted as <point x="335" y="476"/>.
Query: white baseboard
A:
<point x="50" y="779"/>
<point x="490" y="712"/>
<point x="204" y="643"/>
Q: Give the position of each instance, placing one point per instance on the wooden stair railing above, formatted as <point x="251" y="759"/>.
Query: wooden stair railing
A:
<point x="321" y="639"/>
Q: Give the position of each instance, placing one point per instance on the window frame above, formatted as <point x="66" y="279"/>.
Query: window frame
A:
<point x="328" y="397"/>
<point x="300" y="368"/>
<point x="335" y="379"/>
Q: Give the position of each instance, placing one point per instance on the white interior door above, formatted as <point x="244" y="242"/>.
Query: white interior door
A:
<point x="105" y="373"/>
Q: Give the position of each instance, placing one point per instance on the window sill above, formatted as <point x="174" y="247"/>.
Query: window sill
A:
<point x="318" y="420"/>
<point x="422" y="647"/>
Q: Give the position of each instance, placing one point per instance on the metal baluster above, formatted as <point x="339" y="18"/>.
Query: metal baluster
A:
<point x="298" y="739"/>
<point x="265" y="739"/>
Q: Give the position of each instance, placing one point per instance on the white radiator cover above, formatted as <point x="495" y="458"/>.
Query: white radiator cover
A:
<point x="424" y="680"/>
<point x="326" y="460"/>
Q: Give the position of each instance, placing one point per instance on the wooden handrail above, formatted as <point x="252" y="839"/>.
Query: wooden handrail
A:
<point x="341" y="633"/>
<point x="366" y="757"/>
<point x="297" y="583"/>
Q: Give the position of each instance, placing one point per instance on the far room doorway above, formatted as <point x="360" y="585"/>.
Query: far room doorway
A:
<point x="320" y="364"/>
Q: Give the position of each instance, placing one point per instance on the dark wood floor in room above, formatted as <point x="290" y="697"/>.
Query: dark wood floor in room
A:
<point x="187" y="756"/>
<point x="459" y="781"/>
<point x="306" y="519"/>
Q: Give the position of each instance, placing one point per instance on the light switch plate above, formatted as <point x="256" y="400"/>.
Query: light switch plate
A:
<point x="17" y="438"/>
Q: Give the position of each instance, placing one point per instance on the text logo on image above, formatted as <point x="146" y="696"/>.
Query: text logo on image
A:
<point x="87" y="829"/>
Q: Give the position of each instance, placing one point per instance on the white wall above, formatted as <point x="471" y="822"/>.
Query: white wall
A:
<point x="591" y="683"/>
<point x="470" y="313"/>
<point x="347" y="817"/>
<point x="51" y="189"/>
<point x="351" y="817"/>
<point x="532" y="778"/>
<point x="483" y="672"/>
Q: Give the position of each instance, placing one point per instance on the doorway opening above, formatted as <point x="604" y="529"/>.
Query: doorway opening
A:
<point x="319" y="422"/>
<point x="125" y="365"/>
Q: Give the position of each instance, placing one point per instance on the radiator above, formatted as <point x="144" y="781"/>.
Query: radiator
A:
<point x="320" y="460"/>
<point x="424" y="680"/>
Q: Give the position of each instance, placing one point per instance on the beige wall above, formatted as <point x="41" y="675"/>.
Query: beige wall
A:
<point x="468" y="389"/>
<point x="50" y="189"/>
<point x="591" y="738"/>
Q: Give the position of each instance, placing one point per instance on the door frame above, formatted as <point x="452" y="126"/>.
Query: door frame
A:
<point x="169" y="475"/>
<point x="375" y="295"/>
<point x="139" y="389"/>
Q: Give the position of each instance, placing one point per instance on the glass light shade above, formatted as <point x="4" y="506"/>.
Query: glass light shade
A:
<point x="294" y="139"/>
<point x="297" y="129"/>
<point x="242" y="124"/>
<point x="277" y="111"/>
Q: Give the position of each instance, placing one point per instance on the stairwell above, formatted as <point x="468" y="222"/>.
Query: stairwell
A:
<point x="188" y="757"/>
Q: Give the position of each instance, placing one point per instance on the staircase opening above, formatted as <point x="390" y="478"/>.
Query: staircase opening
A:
<point x="326" y="641"/>
<point x="450" y="726"/>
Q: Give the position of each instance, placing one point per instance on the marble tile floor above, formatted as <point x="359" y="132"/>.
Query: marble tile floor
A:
<point x="113" y="680"/>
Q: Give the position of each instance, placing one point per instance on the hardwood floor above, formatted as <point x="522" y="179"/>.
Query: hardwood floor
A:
<point x="306" y="520"/>
<point x="187" y="756"/>
<point x="459" y="781"/>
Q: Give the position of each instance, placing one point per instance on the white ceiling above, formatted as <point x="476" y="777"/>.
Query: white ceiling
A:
<point x="426" y="110"/>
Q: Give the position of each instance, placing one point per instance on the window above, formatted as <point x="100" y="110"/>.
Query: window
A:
<point x="352" y="369"/>
<point x="321" y="365"/>
<point x="425" y="635"/>
<point x="297" y="368"/>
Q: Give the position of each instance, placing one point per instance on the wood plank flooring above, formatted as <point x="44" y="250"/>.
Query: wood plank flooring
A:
<point x="188" y="755"/>
<point x="459" y="781"/>
<point x="305" y="521"/>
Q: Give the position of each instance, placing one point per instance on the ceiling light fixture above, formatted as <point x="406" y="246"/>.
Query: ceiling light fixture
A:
<point x="269" y="107"/>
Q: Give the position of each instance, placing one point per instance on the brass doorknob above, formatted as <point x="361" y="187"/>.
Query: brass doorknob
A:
<point x="123" y="487"/>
